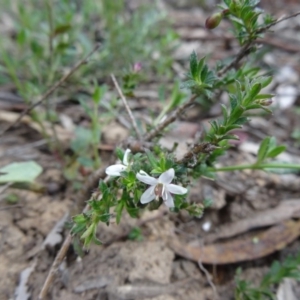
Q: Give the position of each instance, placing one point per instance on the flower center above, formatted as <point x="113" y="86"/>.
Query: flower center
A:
<point x="158" y="191"/>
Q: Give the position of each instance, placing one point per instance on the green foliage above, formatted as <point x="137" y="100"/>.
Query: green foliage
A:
<point x="133" y="45"/>
<point x="268" y="149"/>
<point x="289" y="268"/>
<point x="244" y="16"/>
<point x="201" y="80"/>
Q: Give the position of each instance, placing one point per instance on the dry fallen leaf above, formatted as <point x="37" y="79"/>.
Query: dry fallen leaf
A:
<point x="284" y="211"/>
<point x="241" y="249"/>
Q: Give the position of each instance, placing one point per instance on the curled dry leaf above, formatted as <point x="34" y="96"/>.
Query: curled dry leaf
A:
<point x="284" y="211"/>
<point x="241" y="249"/>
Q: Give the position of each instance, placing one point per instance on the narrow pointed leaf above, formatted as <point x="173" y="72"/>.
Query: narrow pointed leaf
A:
<point x="276" y="151"/>
<point x="194" y="65"/>
<point x="263" y="149"/>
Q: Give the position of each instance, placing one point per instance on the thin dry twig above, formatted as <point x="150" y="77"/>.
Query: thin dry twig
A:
<point x="126" y="106"/>
<point x="54" y="268"/>
<point x="156" y="131"/>
<point x="243" y="51"/>
<point x="208" y="278"/>
<point x="52" y="89"/>
<point x="90" y="183"/>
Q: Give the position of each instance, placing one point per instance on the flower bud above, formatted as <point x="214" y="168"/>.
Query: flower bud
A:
<point x="137" y="67"/>
<point x="266" y="102"/>
<point x="214" y="20"/>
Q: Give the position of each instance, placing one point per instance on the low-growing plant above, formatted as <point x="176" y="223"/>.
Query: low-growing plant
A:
<point x="266" y="290"/>
<point x="150" y="177"/>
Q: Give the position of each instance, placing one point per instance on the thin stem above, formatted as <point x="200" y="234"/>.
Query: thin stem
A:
<point x="127" y="107"/>
<point x="263" y="29"/>
<point x="49" y="5"/>
<point x="156" y="131"/>
<point x="96" y="134"/>
<point x="273" y="165"/>
<point x="54" y="268"/>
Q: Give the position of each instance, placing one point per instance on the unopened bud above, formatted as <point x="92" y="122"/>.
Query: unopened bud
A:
<point x="214" y="20"/>
<point x="266" y="102"/>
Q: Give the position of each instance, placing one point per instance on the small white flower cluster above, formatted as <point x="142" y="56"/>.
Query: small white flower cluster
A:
<point x="160" y="187"/>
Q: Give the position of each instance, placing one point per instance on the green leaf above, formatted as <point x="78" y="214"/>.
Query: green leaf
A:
<point x="265" y="81"/>
<point x="230" y="137"/>
<point x="89" y="232"/>
<point x="215" y="126"/>
<point x="118" y="210"/>
<point x="233" y="102"/>
<point x="20" y="172"/>
<point x="194" y="65"/>
<point x="96" y="95"/>
<point x="132" y="211"/>
<point x="152" y="159"/>
<point x="241" y="121"/>
<point x="276" y="151"/>
<point x="200" y="68"/>
<point x="225" y="113"/>
<point x="264" y="96"/>
<point x="119" y="153"/>
<point x="252" y="94"/>
<point x="232" y="127"/>
<point x="263" y="149"/>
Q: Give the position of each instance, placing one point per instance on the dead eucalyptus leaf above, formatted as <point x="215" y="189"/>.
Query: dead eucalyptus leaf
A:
<point x="284" y="211"/>
<point x="241" y="249"/>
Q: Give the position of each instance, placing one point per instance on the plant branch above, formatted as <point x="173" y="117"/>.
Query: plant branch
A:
<point x="262" y="166"/>
<point x="52" y="89"/>
<point x="126" y="106"/>
<point x="244" y="50"/>
<point x="263" y="29"/>
<point x="156" y="131"/>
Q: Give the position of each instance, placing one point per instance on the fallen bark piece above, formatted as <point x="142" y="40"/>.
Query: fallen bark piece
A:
<point x="241" y="249"/>
<point x="284" y="211"/>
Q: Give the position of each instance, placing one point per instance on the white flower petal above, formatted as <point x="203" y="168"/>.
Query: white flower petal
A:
<point x="168" y="199"/>
<point x="144" y="173"/>
<point x="146" y="178"/>
<point x="167" y="177"/>
<point x="125" y="158"/>
<point x="176" y="189"/>
<point x="148" y="195"/>
<point x="115" y="170"/>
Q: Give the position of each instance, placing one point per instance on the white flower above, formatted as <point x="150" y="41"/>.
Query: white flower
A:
<point x="115" y="170"/>
<point x="160" y="187"/>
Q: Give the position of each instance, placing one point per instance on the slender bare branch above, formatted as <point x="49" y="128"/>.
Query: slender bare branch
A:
<point x="156" y="131"/>
<point x="208" y="278"/>
<point x="56" y="263"/>
<point x="243" y="51"/>
<point x="52" y="89"/>
<point x="126" y="106"/>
